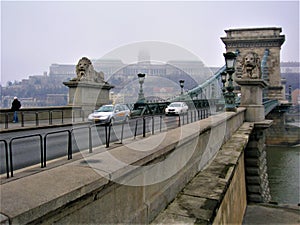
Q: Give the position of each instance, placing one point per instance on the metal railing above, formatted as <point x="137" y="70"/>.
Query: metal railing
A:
<point x="23" y="137"/>
<point x="69" y="152"/>
<point x="182" y="119"/>
<point x="34" y="117"/>
<point x="6" y="157"/>
<point x="269" y="105"/>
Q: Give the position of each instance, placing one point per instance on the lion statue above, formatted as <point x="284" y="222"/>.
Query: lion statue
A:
<point x="251" y="66"/>
<point x="86" y="72"/>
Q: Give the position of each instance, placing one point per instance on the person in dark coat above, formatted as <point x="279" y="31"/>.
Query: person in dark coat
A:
<point x="15" y="106"/>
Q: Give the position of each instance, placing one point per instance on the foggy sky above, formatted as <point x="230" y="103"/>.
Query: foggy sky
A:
<point x="36" y="34"/>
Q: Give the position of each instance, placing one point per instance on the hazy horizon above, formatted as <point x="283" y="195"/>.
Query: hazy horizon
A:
<point x="36" y="34"/>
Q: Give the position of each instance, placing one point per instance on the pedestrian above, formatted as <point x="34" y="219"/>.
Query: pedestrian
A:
<point x="15" y="106"/>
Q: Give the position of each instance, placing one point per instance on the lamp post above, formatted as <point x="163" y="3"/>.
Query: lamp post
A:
<point x="229" y="96"/>
<point x="141" y="97"/>
<point x="181" y="82"/>
<point x="223" y="78"/>
<point x="290" y="94"/>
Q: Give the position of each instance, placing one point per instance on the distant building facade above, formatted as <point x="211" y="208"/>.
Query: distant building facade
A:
<point x="290" y="67"/>
<point x="162" y="79"/>
<point x="290" y="73"/>
<point x="161" y="82"/>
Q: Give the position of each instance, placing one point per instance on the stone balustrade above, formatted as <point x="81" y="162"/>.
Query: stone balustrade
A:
<point x="131" y="183"/>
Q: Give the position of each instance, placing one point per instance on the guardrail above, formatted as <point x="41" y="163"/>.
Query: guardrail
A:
<point x="22" y="137"/>
<point x="69" y="145"/>
<point x="6" y="157"/>
<point x="182" y="119"/>
<point x="35" y="117"/>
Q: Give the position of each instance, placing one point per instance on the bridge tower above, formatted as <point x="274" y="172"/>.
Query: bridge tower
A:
<point x="88" y="90"/>
<point x="264" y="42"/>
<point x="257" y="69"/>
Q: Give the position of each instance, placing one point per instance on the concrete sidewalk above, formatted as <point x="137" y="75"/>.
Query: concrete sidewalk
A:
<point x="272" y="214"/>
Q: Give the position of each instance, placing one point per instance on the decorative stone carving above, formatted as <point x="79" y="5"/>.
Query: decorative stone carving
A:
<point x="86" y="72"/>
<point x="251" y="66"/>
<point x="267" y="43"/>
<point x="88" y="89"/>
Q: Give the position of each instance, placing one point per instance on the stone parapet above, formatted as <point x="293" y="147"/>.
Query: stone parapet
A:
<point x="97" y="190"/>
<point x="216" y="195"/>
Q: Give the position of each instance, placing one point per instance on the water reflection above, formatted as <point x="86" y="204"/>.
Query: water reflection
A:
<point x="283" y="171"/>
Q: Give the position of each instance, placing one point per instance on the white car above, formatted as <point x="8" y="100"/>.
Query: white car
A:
<point x="109" y="114"/>
<point x="176" y="108"/>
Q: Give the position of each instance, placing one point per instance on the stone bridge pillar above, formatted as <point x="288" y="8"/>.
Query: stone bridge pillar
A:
<point x="257" y="182"/>
<point x="88" y="89"/>
<point x="257" y="68"/>
<point x="255" y="153"/>
<point x="257" y="41"/>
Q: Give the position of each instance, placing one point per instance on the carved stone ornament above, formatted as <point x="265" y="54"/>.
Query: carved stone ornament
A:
<point x="86" y="72"/>
<point x="251" y="66"/>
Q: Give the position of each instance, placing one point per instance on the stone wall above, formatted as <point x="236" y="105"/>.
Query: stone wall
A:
<point x="281" y="133"/>
<point x="124" y="184"/>
<point x="256" y="166"/>
<point x="217" y="194"/>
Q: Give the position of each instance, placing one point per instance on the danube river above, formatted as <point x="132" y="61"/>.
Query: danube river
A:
<point x="284" y="172"/>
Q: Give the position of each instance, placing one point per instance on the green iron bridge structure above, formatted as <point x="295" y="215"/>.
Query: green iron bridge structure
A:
<point x="196" y="97"/>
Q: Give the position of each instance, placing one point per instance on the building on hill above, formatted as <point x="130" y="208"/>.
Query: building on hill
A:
<point x="290" y="72"/>
<point x="290" y="67"/>
<point x="63" y="71"/>
<point x="162" y="80"/>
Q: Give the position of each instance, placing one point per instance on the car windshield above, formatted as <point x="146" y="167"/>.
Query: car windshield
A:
<point x="105" y="108"/>
<point x="175" y="105"/>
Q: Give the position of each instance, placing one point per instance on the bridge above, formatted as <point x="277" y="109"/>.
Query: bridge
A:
<point x="202" y="171"/>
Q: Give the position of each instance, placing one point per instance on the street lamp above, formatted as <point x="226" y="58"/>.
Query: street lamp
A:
<point x="223" y="78"/>
<point x="141" y="77"/>
<point x="290" y="93"/>
<point x="229" y="96"/>
<point x="181" y="82"/>
<point x="230" y="58"/>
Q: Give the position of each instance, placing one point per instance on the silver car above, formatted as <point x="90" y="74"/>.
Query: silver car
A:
<point x="176" y="108"/>
<point x="109" y="114"/>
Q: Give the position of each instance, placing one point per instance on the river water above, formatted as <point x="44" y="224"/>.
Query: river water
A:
<point x="284" y="171"/>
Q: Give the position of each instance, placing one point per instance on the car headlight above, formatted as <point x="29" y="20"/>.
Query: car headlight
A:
<point x="103" y="117"/>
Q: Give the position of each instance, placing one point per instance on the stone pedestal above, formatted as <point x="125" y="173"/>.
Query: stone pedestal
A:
<point x="251" y="98"/>
<point x="255" y="153"/>
<point x="88" y="95"/>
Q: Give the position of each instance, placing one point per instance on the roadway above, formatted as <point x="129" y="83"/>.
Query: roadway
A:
<point x="26" y="144"/>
